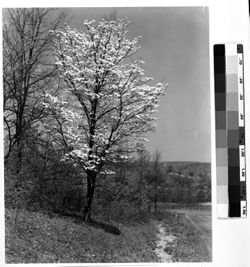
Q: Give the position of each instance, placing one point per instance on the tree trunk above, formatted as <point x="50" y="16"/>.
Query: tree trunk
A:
<point x="155" y="196"/>
<point x="91" y="176"/>
<point x="149" y="202"/>
<point x="19" y="157"/>
<point x="155" y="205"/>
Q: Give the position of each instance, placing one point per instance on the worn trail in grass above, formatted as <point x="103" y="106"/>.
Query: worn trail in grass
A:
<point x="188" y="246"/>
<point x="163" y="240"/>
<point x="202" y="221"/>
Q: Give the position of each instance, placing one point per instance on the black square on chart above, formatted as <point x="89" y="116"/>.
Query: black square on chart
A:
<point x="234" y="193"/>
<point x="233" y="176"/>
<point x="220" y="101"/>
<point x="233" y="157"/>
<point x="219" y="64"/>
<point x="220" y="82"/>
<point x="219" y="50"/>
<point x="234" y="209"/>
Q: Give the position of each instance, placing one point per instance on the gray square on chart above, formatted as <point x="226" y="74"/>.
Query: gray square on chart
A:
<point x="233" y="138"/>
<point x="220" y="119"/>
<point x="232" y="83"/>
<point x="232" y="101"/>
<point x="221" y="138"/>
<point x="222" y="194"/>
<point x="221" y="157"/>
<point x="232" y="120"/>
<point x="232" y="64"/>
<point x="222" y="175"/>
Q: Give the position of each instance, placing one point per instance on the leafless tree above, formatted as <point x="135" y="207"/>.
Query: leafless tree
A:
<point x="143" y="170"/>
<point x="157" y="174"/>
<point x="28" y="70"/>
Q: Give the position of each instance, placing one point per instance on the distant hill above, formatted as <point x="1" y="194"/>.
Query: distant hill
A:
<point x="189" y="168"/>
<point x="186" y="182"/>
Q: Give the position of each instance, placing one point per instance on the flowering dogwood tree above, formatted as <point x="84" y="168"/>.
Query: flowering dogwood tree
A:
<point x="105" y="103"/>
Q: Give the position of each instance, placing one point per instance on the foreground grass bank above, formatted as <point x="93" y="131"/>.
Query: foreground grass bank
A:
<point x="35" y="237"/>
<point x="39" y="238"/>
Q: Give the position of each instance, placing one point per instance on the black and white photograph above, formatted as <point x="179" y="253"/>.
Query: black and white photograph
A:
<point x="107" y="134"/>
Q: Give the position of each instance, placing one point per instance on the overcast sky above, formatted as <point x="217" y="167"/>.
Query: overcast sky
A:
<point x="175" y="48"/>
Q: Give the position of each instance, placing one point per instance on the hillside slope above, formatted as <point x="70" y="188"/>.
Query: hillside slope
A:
<point x="41" y="238"/>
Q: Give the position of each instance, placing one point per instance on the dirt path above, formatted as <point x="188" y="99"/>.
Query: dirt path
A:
<point x="202" y="221"/>
<point x="162" y="240"/>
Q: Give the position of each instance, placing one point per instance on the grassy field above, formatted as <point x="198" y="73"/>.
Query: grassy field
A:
<point x="40" y="238"/>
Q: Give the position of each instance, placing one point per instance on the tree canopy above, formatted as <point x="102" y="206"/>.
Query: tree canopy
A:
<point x="106" y="102"/>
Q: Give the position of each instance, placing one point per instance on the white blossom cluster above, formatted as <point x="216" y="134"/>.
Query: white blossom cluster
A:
<point x="113" y="103"/>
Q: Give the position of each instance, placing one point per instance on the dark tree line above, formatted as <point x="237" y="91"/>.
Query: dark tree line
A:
<point x="132" y="193"/>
